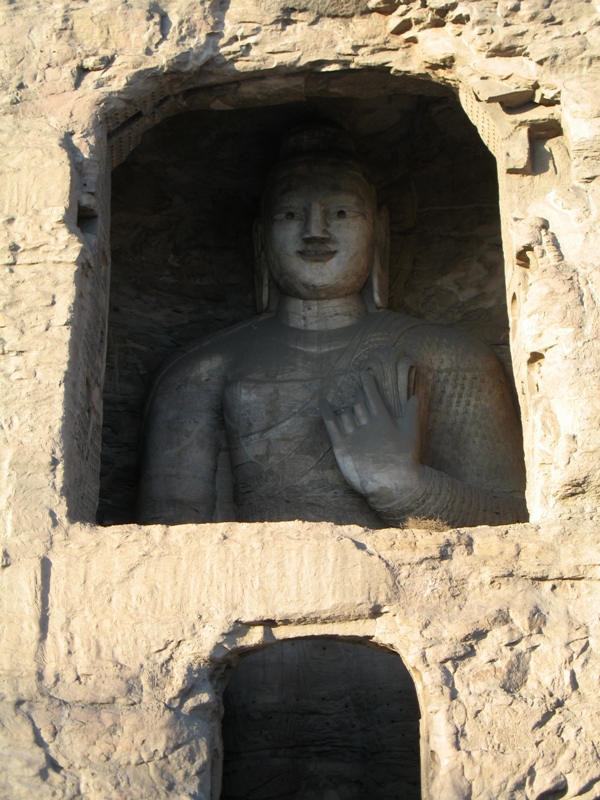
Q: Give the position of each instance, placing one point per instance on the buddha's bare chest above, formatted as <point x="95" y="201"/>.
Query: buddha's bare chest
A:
<point x="271" y="395"/>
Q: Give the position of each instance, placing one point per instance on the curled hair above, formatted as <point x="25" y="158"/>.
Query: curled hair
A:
<point x="323" y="142"/>
<point x="318" y="137"/>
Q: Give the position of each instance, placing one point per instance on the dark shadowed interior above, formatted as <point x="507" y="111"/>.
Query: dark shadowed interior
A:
<point x="320" y="719"/>
<point x="183" y="204"/>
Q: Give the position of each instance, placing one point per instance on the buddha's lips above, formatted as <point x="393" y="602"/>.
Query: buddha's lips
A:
<point x="317" y="253"/>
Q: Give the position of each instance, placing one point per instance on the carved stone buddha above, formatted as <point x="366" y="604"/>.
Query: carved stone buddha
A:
<point x="328" y="406"/>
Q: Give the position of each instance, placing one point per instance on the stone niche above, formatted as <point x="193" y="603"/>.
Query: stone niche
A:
<point x="184" y="201"/>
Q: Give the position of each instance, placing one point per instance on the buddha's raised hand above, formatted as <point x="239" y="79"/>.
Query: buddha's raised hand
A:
<point x="377" y="453"/>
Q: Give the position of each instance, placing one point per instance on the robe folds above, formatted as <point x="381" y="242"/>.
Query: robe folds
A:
<point x="233" y="430"/>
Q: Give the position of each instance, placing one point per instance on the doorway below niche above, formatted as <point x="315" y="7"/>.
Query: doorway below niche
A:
<point x="321" y="719"/>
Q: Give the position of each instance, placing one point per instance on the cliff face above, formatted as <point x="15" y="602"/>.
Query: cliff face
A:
<point x="117" y="642"/>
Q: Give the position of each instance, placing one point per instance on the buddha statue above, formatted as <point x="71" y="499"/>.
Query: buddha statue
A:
<point x="327" y="406"/>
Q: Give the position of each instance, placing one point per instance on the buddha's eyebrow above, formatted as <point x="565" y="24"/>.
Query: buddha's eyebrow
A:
<point x="341" y="196"/>
<point x="289" y="199"/>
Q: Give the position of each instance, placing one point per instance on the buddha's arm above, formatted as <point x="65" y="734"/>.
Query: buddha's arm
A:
<point x="438" y="496"/>
<point x="474" y="434"/>
<point x="180" y="445"/>
<point x="379" y="456"/>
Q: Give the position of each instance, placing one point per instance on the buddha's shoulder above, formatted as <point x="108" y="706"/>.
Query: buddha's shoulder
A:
<point x="210" y="357"/>
<point x="441" y="345"/>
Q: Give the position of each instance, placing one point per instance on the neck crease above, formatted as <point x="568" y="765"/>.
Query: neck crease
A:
<point x="320" y="315"/>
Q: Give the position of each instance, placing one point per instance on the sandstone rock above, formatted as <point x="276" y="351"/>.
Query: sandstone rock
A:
<point x="491" y="91"/>
<point x="117" y="642"/>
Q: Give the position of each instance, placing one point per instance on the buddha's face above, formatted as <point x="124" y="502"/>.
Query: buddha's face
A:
<point x="320" y="230"/>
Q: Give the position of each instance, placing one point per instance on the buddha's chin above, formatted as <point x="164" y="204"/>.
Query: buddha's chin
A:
<point x="317" y="294"/>
<point x="320" y="280"/>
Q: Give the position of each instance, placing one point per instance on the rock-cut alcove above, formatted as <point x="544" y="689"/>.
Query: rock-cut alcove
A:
<point x="320" y="719"/>
<point x="184" y="201"/>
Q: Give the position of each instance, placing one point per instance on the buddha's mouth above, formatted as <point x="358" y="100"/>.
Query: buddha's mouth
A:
<point x="317" y="253"/>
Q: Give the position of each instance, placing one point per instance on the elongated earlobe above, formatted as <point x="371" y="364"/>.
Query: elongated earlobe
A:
<point x="261" y="269"/>
<point x="380" y="271"/>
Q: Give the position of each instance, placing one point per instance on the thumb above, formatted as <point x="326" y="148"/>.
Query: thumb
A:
<point x="410" y="422"/>
<point x="412" y="415"/>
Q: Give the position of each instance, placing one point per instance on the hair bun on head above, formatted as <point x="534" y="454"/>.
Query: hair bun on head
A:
<point x="317" y="137"/>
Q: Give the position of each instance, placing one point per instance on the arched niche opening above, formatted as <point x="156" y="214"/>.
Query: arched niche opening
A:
<point x="184" y="201"/>
<point x="320" y="719"/>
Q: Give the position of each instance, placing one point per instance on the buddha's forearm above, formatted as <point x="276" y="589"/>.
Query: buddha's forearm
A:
<point x="438" y="496"/>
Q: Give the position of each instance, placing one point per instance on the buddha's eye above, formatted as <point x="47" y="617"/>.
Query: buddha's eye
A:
<point x="289" y="215"/>
<point x="346" y="212"/>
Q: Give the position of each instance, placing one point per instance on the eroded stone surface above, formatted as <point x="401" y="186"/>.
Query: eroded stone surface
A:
<point x="114" y="642"/>
<point x="497" y="628"/>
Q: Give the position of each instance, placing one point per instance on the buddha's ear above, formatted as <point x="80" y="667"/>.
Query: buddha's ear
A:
<point x="261" y="268"/>
<point x="380" y="271"/>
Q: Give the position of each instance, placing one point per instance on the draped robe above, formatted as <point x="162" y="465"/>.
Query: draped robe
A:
<point x="233" y="430"/>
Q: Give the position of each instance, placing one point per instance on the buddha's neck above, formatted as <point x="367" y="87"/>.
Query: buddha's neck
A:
<point x="320" y="315"/>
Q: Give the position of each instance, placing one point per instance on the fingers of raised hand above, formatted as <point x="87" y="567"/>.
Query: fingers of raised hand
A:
<point x="412" y="415"/>
<point x="331" y="421"/>
<point x="360" y="407"/>
<point x="347" y="420"/>
<point x="373" y="397"/>
<point x="413" y="409"/>
<point x="409" y="425"/>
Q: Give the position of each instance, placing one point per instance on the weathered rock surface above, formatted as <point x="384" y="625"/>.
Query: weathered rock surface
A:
<point x="497" y="629"/>
<point x="117" y="642"/>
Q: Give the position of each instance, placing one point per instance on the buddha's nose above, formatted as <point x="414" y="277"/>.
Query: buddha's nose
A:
<point x="315" y="228"/>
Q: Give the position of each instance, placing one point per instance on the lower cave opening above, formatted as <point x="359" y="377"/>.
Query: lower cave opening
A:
<point x="321" y="719"/>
